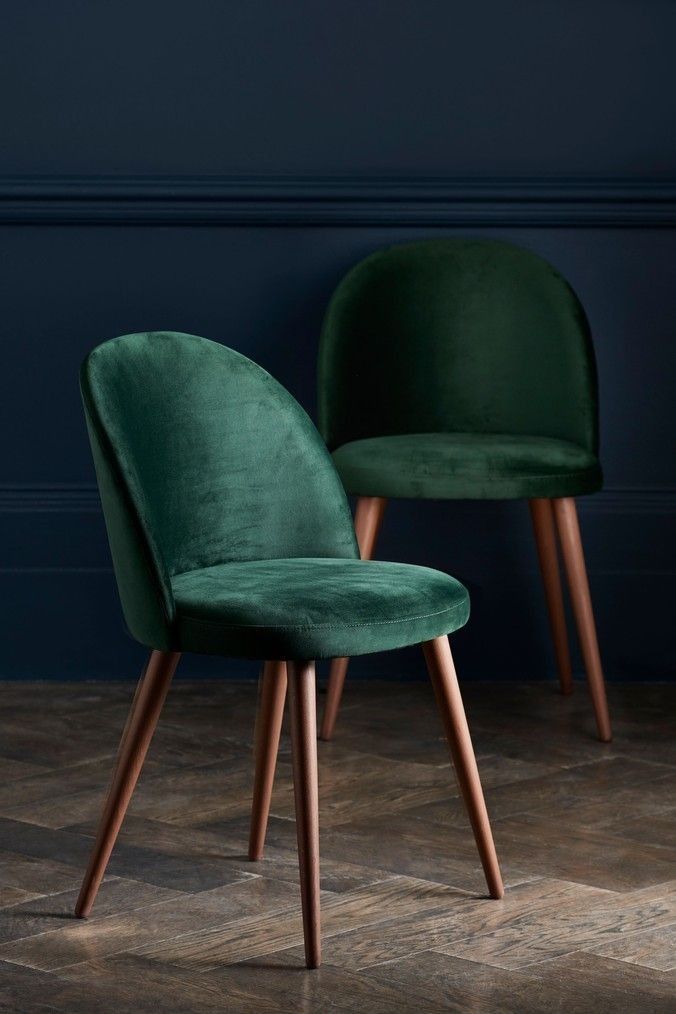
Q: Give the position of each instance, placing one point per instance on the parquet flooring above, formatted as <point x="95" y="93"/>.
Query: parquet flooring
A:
<point x="586" y="834"/>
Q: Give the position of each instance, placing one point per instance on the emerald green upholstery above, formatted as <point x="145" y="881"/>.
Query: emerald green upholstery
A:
<point x="466" y="466"/>
<point x="459" y="368"/>
<point x="229" y="527"/>
<point x="314" y="608"/>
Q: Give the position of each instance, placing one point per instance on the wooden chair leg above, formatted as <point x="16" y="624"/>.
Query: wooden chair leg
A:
<point x="334" y="693"/>
<point x="444" y="680"/>
<point x="542" y="517"/>
<point x="302" y="705"/>
<point x="367" y="521"/>
<point x="138" y="732"/>
<point x="266" y="748"/>
<point x="565" y="512"/>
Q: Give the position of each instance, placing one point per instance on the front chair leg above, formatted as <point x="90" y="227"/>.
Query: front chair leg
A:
<point x="138" y="732"/>
<point x="266" y="748"/>
<point x="544" y="530"/>
<point x="302" y="705"/>
<point x="444" y="680"/>
<point x="565" y="512"/>
<point x="368" y="518"/>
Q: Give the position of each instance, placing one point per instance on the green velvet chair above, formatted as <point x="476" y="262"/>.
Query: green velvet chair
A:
<point x="463" y="369"/>
<point x="231" y="535"/>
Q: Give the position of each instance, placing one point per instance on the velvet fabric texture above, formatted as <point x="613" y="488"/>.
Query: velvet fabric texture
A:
<point x="478" y="340"/>
<point x="314" y="608"/>
<point x="229" y="527"/>
<point x="439" y="466"/>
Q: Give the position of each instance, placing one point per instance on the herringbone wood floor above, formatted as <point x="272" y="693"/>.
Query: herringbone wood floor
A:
<point x="586" y="834"/>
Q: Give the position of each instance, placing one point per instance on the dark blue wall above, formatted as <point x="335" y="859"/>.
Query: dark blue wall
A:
<point x="305" y="86"/>
<point x="215" y="168"/>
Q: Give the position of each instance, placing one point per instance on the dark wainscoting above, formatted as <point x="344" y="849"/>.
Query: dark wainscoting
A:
<point x="251" y="261"/>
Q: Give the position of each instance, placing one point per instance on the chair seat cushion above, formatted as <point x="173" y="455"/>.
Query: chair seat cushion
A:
<point x="472" y="466"/>
<point x="314" y="608"/>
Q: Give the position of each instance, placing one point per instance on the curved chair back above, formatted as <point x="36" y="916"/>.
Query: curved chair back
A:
<point x="456" y="335"/>
<point x="202" y="458"/>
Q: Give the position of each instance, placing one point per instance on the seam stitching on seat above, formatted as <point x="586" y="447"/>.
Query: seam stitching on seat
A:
<point x="315" y="626"/>
<point x="505" y="478"/>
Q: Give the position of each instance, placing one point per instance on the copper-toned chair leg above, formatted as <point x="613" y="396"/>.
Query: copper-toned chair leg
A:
<point x="542" y="517"/>
<point x="565" y="512"/>
<point x="145" y="711"/>
<point x="334" y="693"/>
<point x="266" y="747"/>
<point x="444" y="680"/>
<point x="367" y="521"/>
<point x="302" y="706"/>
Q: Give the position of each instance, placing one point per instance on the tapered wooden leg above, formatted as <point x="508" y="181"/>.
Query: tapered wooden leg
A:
<point x="565" y="512"/>
<point x="268" y="730"/>
<point x="302" y="705"/>
<point x="367" y="521"/>
<point x="542" y="517"/>
<point x="444" y="680"/>
<point x="145" y="711"/>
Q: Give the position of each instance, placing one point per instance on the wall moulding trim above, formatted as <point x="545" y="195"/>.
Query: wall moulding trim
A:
<point x="337" y="201"/>
<point x="68" y="498"/>
<point x="59" y="498"/>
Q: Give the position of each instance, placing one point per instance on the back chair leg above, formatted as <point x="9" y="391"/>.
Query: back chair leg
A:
<point x="368" y="519"/>
<point x="266" y="747"/>
<point x="542" y="517"/>
<point x="302" y="705"/>
<point x="444" y="680"/>
<point x="138" y="732"/>
<point x="565" y="512"/>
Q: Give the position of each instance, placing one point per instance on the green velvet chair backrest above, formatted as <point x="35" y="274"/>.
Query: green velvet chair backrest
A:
<point x="456" y="335"/>
<point x="202" y="458"/>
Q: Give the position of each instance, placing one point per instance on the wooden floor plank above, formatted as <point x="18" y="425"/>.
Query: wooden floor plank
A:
<point x="206" y="949"/>
<point x="527" y="907"/>
<point x="606" y="985"/>
<point x="55" y="912"/>
<point x="268" y="986"/>
<point x="455" y="984"/>
<point x="34" y="875"/>
<point x="160" y="920"/>
<point x="413" y="849"/>
<point x="28" y="991"/>
<point x="637" y="787"/>
<point x="224" y="847"/>
<point x="576" y="922"/>
<point x="553" y="848"/>
<point x="14" y="896"/>
<point x="659" y="830"/>
<point x="654" y="948"/>
<point x="586" y="834"/>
